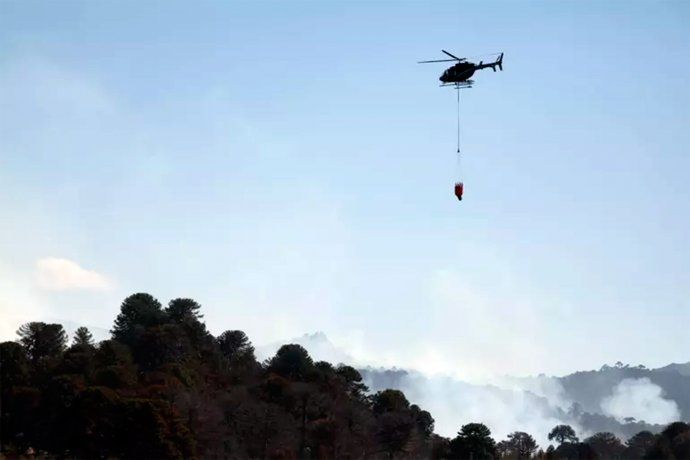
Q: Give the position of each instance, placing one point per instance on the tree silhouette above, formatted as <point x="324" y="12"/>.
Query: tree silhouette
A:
<point x="520" y="444"/>
<point x="114" y="365"/>
<point x="675" y="429"/>
<point x="473" y="442"/>
<point x="236" y="347"/>
<point x="164" y="387"/>
<point x="78" y="359"/>
<point x="638" y="445"/>
<point x="563" y="433"/>
<point x="292" y="361"/>
<point x="394" y="419"/>
<point x="160" y="345"/>
<point x="673" y="442"/>
<point x="393" y="433"/>
<point x="82" y="338"/>
<point x="14" y="370"/>
<point x="389" y="401"/>
<point x="575" y="450"/>
<point x="179" y="310"/>
<point x="137" y="312"/>
<point x="423" y="420"/>
<point x="606" y="445"/>
<point x="42" y="341"/>
<point x="353" y="380"/>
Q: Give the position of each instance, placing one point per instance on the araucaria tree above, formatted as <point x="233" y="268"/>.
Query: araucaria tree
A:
<point x="164" y="387"/>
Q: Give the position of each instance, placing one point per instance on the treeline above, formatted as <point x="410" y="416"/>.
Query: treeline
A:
<point x="164" y="387"/>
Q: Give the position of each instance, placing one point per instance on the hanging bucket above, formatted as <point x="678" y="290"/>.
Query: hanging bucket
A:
<point x="458" y="190"/>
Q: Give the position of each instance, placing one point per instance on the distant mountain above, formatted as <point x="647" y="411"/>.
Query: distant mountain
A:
<point x="504" y="409"/>
<point x="590" y="388"/>
<point x="682" y="369"/>
<point x="320" y="348"/>
<point x="620" y="398"/>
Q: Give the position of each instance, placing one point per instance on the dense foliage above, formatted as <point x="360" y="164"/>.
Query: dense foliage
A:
<point x="164" y="387"/>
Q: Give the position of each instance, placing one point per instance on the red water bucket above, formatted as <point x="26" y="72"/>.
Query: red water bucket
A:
<point x="458" y="190"/>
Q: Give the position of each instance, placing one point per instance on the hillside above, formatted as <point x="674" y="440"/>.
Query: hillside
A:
<point x="192" y="395"/>
<point x="536" y="403"/>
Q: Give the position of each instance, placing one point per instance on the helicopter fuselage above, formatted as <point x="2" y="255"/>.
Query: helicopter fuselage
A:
<point x="458" y="73"/>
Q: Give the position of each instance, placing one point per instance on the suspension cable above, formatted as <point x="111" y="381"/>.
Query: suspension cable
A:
<point x="458" y="91"/>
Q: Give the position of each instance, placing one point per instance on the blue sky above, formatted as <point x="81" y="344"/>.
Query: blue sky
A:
<point x="290" y="167"/>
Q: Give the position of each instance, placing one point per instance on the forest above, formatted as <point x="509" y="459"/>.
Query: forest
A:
<point x="164" y="387"/>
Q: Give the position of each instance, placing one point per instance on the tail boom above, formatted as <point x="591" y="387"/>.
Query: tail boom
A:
<point x="492" y="65"/>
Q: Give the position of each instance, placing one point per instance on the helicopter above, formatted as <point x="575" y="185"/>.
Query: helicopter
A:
<point x="459" y="74"/>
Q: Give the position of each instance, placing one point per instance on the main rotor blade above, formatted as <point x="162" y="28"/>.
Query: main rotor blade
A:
<point x="438" y="60"/>
<point x="482" y="55"/>
<point x="454" y="57"/>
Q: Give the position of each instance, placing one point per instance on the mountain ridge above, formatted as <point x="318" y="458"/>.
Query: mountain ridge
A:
<point x="588" y="399"/>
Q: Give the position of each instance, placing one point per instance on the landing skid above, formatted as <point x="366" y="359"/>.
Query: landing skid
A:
<point x="460" y="85"/>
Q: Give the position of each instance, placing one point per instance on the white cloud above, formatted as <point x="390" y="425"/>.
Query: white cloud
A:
<point x="58" y="274"/>
<point x="642" y="399"/>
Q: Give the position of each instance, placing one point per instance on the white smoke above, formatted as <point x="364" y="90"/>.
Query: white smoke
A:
<point x="533" y="404"/>
<point x="546" y="387"/>
<point x="505" y="404"/>
<point x="641" y="399"/>
<point x="453" y="403"/>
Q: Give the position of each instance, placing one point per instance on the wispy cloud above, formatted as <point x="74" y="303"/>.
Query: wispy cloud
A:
<point x="59" y="274"/>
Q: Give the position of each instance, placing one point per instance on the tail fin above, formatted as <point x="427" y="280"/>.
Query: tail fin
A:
<point x="499" y="61"/>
